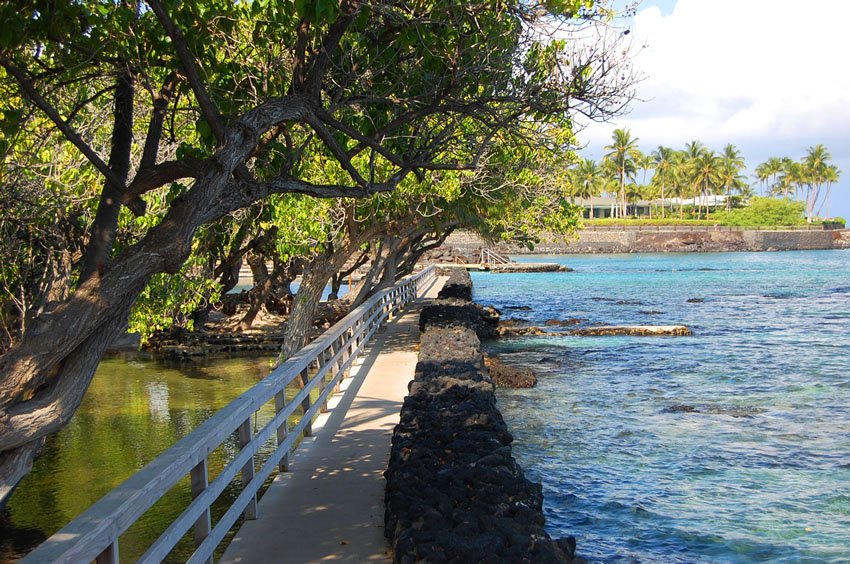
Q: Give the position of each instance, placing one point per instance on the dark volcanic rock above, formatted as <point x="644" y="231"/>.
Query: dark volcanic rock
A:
<point x="454" y="491"/>
<point x="459" y="285"/>
<point x="457" y="313"/>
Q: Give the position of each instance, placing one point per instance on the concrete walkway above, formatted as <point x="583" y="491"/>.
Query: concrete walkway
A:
<point x="330" y="505"/>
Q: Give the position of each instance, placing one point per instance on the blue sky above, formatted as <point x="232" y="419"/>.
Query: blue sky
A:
<point x="768" y="76"/>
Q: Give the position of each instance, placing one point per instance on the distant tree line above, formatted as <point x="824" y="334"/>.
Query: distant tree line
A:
<point x="697" y="172"/>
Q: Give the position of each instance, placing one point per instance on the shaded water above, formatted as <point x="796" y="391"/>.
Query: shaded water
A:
<point x="729" y="446"/>
<point x="133" y="411"/>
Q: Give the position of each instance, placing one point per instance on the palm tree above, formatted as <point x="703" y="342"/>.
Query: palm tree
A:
<point x="773" y="166"/>
<point x="816" y="165"/>
<point x="731" y="164"/>
<point x="831" y="177"/>
<point x="679" y="177"/>
<point x="746" y="192"/>
<point x="622" y="154"/>
<point x="792" y="176"/>
<point x="762" y="173"/>
<point x="588" y="178"/>
<point x="644" y="163"/>
<point x="693" y="151"/>
<point x="664" y="158"/>
<point x="706" y="169"/>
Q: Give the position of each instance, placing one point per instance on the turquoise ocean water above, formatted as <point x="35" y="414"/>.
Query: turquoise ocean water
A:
<point x="729" y="446"/>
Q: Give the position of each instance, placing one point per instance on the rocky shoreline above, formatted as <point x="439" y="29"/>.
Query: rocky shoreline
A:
<point x="667" y="239"/>
<point x="454" y="491"/>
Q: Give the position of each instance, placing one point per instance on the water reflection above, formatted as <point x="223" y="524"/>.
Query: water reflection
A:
<point x="134" y="410"/>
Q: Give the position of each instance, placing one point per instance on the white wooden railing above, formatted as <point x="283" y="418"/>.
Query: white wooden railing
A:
<point x="489" y="256"/>
<point x="320" y="366"/>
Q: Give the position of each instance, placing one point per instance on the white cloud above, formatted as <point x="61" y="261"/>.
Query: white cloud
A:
<point x="767" y="75"/>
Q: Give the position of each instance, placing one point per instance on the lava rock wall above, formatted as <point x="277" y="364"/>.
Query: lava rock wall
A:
<point x="454" y="491"/>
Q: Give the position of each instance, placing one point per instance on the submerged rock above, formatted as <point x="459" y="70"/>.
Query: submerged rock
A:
<point x="563" y="322"/>
<point x="639" y="330"/>
<point x="730" y="410"/>
<point x="681" y="409"/>
<point x="507" y="376"/>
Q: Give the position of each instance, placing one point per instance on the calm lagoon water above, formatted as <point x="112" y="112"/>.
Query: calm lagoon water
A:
<point x="133" y="411"/>
<point x="758" y="471"/>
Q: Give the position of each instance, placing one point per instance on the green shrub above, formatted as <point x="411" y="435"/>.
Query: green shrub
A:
<point x="646" y="221"/>
<point x="764" y="212"/>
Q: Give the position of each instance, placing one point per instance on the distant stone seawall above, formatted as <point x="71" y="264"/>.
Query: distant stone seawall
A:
<point x="674" y="241"/>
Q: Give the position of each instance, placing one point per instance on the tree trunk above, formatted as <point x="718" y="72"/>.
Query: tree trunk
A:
<point x="306" y="301"/>
<point x="366" y="285"/>
<point x="263" y="282"/>
<point x="313" y="281"/>
<point x="663" y="214"/>
<point x="99" y="249"/>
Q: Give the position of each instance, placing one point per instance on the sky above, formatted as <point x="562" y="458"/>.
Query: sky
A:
<point x="768" y="76"/>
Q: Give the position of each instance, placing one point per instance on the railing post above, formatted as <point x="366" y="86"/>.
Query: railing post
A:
<point x="199" y="481"/>
<point x="282" y="430"/>
<point x="305" y="403"/>
<point x="349" y="350"/>
<point x="324" y="356"/>
<point x="109" y="554"/>
<point x="338" y="346"/>
<point x="250" y="512"/>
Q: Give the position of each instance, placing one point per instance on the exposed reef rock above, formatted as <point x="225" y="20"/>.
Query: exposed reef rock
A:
<point x="454" y="491"/>
<point x="507" y="376"/>
<point x="514" y="328"/>
<point x="516" y="267"/>
<point x="641" y="330"/>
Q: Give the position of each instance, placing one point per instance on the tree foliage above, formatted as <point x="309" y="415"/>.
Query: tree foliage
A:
<point x="176" y="137"/>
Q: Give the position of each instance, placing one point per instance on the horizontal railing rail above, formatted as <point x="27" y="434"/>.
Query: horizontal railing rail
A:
<point x="320" y="366"/>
